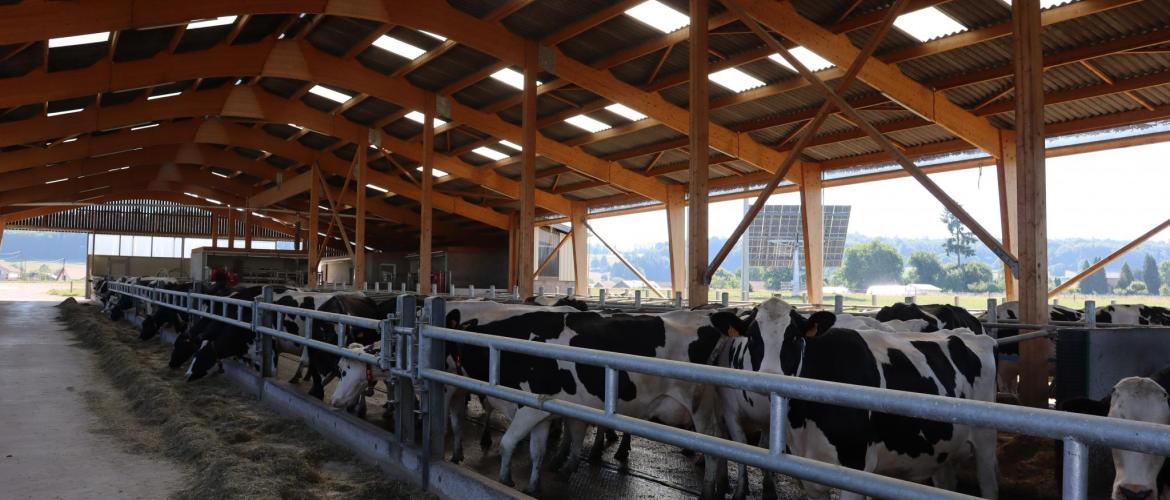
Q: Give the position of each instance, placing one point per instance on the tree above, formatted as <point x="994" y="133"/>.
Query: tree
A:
<point x="1095" y="283"/>
<point x="1136" y="288"/>
<point x="969" y="277"/>
<point x="775" y="277"/>
<point x="725" y="280"/>
<point x="925" y="268"/>
<point x="870" y="264"/>
<point x="961" y="242"/>
<point x="1150" y="274"/>
<point x="1126" y="276"/>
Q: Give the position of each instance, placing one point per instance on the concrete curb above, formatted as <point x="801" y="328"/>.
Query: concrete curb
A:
<point x="369" y="442"/>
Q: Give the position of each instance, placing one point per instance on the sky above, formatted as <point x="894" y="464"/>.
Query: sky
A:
<point x="1117" y="194"/>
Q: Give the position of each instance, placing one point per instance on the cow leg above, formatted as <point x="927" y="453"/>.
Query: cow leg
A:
<point x="456" y="412"/>
<point x="598" y="447"/>
<point x="485" y="437"/>
<point x="301" y="367"/>
<point x="1008" y="373"/>
<point x="574" y="437"/>
<point x="522" y="424"/>
<point x="769" y="478"/>
<point x="623" y="451"/>
<point x="986" y="461"/>
<point x="562" y="452"/>
<point x="741" y="477"/>
<point x="537" y="443"/>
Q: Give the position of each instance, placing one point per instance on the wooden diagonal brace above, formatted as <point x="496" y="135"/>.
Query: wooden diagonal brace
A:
<point x="1110" y="258"/>
<point x="810" y="131"/>
<point x="626" y="263"/>
<point x="912" y="169"/>
<point x="544" y="263"/>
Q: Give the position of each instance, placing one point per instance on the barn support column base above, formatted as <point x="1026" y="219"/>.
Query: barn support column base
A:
<point x="812" y="215"/>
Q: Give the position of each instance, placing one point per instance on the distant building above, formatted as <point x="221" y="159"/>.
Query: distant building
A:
<point x="8" y="271"/>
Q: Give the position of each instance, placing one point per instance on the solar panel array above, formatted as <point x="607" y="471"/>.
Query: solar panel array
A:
<point x="776" y="235"/>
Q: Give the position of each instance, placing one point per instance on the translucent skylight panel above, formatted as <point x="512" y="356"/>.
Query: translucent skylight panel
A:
<point x="69" y="41"/>
<point x="163" y="96"/>
<point x="207" y="23"/>
<point x="659" y="16"/>
<point x="434" y="172"/>
<point x="399" y="47"/>
<point x="928" y="24"/>
<point x="329" y="93"/>
<point x="140" y="127"/>
<point x="440" y="38"/>
<point x="217" y="202"/>
<point x="806" y="57"/>
<point x="56" y="181"/>
<point x="511" y="77"/>
<point x="489" y="153"/>
<point x="510" y="144"/>
<point x="735" y="80"/>
<point x="1045" y="4"/>
<point x="626" y="111"/>
<point x="225" y="176"/>
<point x="378" y="188"/>
<point x="418" y="117"/>
<point x="586" y="123"/>
<point x="65" y="112"/>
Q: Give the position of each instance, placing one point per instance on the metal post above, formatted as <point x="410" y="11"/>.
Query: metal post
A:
<point x="909" y="300"/>
<point x="377" y="286"/>
<point x="493" y="291"/>
<point x="569" y="292"/>
<point x="418" y="288"/>
<point x="540" y="292"/>
<point x="1091" y="313"/>
<point x="601" y="297"/>
<point x="725" y="299"/>
<point x="339" y="328"/>
<point x="838" y="304"/>
<point x="403" y="287"/>
<point x="557" y="290"/>
<point x="956" y="301"/>
<point x="678" y="300"/>
<point x="267" y="367"/>
<point x="873" y="300"/>
<point x="403" y="386"/>
<point x="1055" y="302"/>
<point x="1076" y="470"/>
<point x="471" y="291"/>
<point x="493" y="366"/>
<point x="637" y="298"/>
<point x="776" y="430"/>
<point x="516" y="292"/>
<point x="611" y="390"/>
<point x="431" y="354"/>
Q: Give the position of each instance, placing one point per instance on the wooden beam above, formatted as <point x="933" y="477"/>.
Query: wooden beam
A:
<point x="1097" y="266"/>
<point x="214" y="228"/>
<point x="248" y="229"/>
<point x="838" y="49"/>
<point x="314" y="222"/>
<point x="1030" y="192"/>
<point x="359" y="236"/>
<point x="676" y="231"/>
<point x="428" y="188"/>
<point x="1007" y="174"/>
<point x="548" y="259"/>
<point x="580" y="249"/>
<point x="812" y="219"/>
<point x="527" y="246"/>
<point x="283" y="191"/>
<point x="700" y="101"/>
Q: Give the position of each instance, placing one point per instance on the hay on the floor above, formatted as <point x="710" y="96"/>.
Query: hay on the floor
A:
<point x="235" y="448"/>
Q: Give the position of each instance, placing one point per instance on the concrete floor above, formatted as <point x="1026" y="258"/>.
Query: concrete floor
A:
<point x="47" y="448"/>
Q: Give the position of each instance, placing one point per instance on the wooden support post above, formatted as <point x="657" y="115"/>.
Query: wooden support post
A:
<point x="5" y="223"/>
<point x="513" y="240"/>
<point x="214" y="228"/>
<point x="231" y="222"/>
<point x="527" y="231"/>
<point x="676" y="234"/>
<point x="812" y="213"/>
<point x="359" y="231"/>
<point x="314" y="221"/>
<point x="426" y="218"/>
<point x="1008" y="207"/>
<point x="248" y="229"/>
<point x="699" y="170"/>
<point x="1033" y="230"/>
<point x="580" y="249"/>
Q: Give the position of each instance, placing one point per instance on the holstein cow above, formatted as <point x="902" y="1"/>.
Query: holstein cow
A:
<point x="163" y="316"/>
<point x="954" y="363"/>
<point x="677" y="335"/>
<point x="1134" y="314"/>
<point x="937" y="316"/>
<point x="1138" y="476"/>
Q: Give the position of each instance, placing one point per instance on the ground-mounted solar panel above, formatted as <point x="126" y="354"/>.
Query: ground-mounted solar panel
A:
<point x="776" y="235"/>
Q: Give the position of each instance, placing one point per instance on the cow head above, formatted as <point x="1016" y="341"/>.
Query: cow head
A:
<point x="149" y="328"/>
<point x="1141" y="399"/>
<point x="354" y="378"/>
<point x="783" y="331"/>
<point x="185" y="346"/>
<point x="205" y="358"/>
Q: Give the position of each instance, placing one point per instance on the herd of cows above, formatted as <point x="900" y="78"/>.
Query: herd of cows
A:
<point x="930" y="349"/>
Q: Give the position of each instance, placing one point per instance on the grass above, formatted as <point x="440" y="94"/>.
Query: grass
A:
<point x="233" y="447"/>
<point x="68" y="292"/>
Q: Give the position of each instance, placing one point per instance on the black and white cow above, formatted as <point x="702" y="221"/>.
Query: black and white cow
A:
<point x="676" y="335"/>
<point x="162" y="316"/>
<point x="1134" y="314"/>
<point x="937" y="316"/>
<point x="1009" y="369"/>
<point x="1138" y="476"/>
<point x="954" y="363"/>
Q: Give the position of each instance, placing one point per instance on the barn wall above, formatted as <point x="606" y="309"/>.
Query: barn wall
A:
<point x="114" y="265"/>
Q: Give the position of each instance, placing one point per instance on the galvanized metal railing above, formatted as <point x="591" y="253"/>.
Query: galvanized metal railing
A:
<point x="1077" y="431"/>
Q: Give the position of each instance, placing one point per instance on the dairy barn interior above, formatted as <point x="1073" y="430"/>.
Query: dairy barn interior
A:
<point x="389" y="194"/>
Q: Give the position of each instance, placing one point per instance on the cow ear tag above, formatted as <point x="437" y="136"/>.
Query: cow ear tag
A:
<point x="732" y="332"/>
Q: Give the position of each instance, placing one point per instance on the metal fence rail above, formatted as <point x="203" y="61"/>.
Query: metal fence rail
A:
<point x="415" y="353"/>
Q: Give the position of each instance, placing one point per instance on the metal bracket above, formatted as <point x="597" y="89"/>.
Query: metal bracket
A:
<point x="442" y="106"/>
<point x="546" y="59"/>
